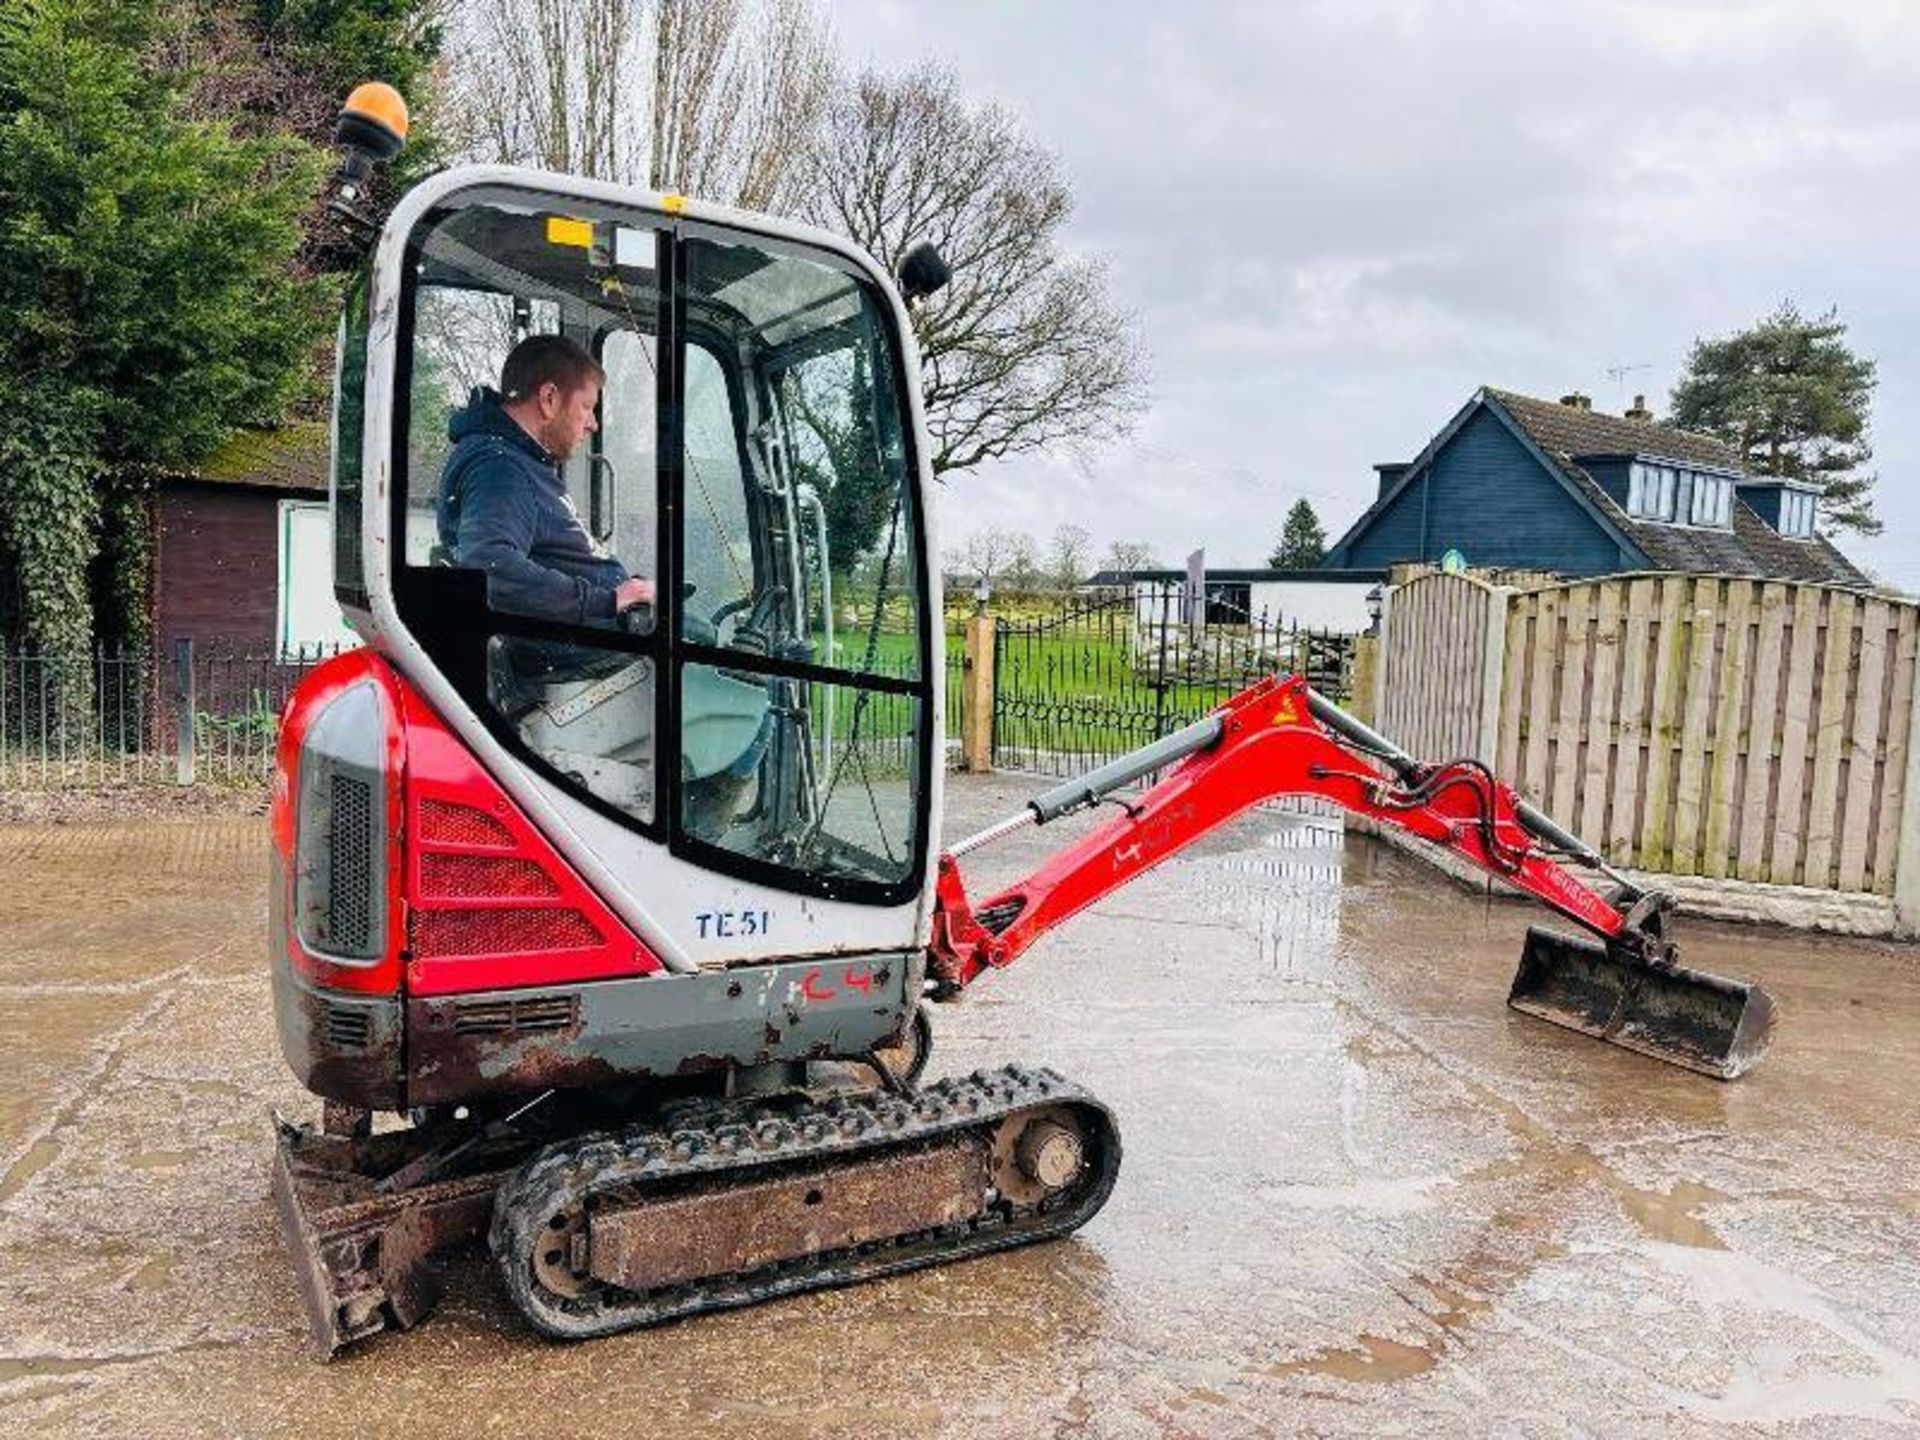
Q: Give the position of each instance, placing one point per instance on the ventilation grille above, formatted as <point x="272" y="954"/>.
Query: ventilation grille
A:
<point x="462" y="877"/>
<point x="348" y="1029"/>
<point x="501" y="932"/>
<point x="350" y="865"/>
<point x="548" y="1012"/>
<point x="451" y="824"/>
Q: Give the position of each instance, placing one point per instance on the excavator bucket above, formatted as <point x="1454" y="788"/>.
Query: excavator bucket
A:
<point x="1704" y="1022"/>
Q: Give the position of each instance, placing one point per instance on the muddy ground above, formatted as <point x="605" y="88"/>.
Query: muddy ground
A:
<point x="1359" y="1195"/>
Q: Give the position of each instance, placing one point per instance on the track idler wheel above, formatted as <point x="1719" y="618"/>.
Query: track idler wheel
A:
<point x="1038" y="1155"/>
<point x="559" y="1259"/>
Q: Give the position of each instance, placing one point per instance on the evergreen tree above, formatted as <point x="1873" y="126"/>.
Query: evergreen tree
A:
<point x="1794" y="400"/>
<point x="146" y="285"/>
<point x="1303" y="543"/>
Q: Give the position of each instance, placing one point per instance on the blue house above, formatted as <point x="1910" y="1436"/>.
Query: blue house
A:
<point x="1518" y="483"/>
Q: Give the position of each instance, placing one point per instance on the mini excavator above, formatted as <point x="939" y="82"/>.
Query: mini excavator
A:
<point x="632" y="930"/>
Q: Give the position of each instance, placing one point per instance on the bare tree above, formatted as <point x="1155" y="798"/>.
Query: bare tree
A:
<point x="551" y="83"/>
<point x="988" y="554"/>
<point x="1127" y="555"/>
<point x="1023" y="349"/>
<point x="716" y="98"/>
<point x="1022" y="569"/>
<point x="1068" y="554"/>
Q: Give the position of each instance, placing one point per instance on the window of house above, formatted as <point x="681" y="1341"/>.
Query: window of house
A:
<point x="1679" y="496"/>
<point x="1796" y="513"/>
<point x="1712" y="500"/>
<point x="1229" y="603"/>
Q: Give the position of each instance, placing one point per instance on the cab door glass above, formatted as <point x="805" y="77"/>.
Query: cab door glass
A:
<point x="576" y="687"/>
<point x="839" y="424"/>
<point x="807" y="433"/>
<point x="461" y="337"/>
<point x="799" y="548"/>
<point x="623" y="490"/>
<point x="719" y="516"/>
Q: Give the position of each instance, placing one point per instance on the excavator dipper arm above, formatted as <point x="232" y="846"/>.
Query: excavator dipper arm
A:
<point x="1281" y="738"/>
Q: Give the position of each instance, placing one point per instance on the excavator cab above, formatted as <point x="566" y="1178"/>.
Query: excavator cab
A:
<point x="770" y="720"/>
<point x="730" y="789"/>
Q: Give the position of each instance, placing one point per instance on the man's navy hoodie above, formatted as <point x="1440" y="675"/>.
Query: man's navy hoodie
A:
<point x="503" y="508"/>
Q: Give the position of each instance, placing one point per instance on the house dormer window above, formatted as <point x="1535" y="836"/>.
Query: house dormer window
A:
<point x="1679" y="496"/>
<point x="1796" y="514"/>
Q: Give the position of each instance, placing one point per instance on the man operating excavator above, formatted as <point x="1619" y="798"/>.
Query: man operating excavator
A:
<point x="503" y="506"/>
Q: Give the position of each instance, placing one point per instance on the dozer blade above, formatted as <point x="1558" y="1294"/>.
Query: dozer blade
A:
<point x="366" y="1260"/>
<point x="1704" y="1022"/>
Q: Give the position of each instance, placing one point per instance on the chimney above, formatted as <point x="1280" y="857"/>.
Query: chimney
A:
<point x="1639" y="411"/>
<point x="1577" y="401"/>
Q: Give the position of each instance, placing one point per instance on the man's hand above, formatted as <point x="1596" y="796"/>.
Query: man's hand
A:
<point x="631" y="592"/>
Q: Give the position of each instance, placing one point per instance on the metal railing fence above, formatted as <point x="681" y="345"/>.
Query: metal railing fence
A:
<point x="1103" y="676"/>
<point x="116" y="718"/>
<point x="120" y="717"/>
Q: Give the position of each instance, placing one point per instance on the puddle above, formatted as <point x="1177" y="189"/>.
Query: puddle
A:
<point x="1465" y="1294"/>
<point x="1670" y="1217"/>
<point x="1374" y="1361"/>
<point x="40" y="1154"/>
<point x="153" y="1274"/>
<point x="37" y="1366"/>
<point x="159" y="1159"/>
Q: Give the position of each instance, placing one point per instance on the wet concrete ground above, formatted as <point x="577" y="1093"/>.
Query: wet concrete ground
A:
<point x="1359" y="1195"/>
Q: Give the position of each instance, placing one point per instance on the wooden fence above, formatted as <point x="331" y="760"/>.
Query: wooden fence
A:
<point x="1713" y="726"/>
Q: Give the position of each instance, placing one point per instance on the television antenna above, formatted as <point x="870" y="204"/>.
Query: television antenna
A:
<point x="1618" y="372"/>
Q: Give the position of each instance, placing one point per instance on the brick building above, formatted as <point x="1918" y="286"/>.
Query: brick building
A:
<point x="242" y="558"/>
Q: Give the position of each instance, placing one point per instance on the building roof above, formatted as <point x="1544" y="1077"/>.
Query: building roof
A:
<point x="293" y="457"/>
<point x="1568" y="431"/>
<point x="1750" y="547"/>
<point x="1562" y="433"/>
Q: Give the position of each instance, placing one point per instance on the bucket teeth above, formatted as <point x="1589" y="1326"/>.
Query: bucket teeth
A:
<point x="1703" y="1022"/>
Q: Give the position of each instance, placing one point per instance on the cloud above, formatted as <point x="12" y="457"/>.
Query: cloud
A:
<point x="1336" y="219"/>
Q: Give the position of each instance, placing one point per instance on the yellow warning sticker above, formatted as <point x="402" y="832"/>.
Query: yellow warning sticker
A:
<point x="563" y="230"/>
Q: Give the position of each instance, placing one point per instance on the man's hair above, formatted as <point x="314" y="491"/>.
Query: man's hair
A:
<point x="547" y="360"/>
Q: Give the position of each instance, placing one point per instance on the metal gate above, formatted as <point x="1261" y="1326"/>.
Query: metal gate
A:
<point x="1104" y="675"/>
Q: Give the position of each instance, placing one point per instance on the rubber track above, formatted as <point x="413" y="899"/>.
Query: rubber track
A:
<point x="743" y="1139"/>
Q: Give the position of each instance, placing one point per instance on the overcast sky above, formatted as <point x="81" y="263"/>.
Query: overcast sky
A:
<point x="1335" y="220"/>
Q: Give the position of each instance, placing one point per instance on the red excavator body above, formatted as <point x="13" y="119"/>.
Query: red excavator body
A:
<point x="635" y="915"/>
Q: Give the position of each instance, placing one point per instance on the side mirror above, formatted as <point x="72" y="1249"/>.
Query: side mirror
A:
<point x="922" y="271"/>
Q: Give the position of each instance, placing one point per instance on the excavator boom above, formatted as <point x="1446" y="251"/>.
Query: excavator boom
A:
<point x="1280" y="738"/>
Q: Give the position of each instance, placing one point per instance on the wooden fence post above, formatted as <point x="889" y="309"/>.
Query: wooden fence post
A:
<point x="184" y="706"/>
<point x="976" y="694"/>
<point x="1377" y="697"/>
<point x="1366" y="665"/>
<point x="1906" y="864"/>
<point x="1493" y="674"/>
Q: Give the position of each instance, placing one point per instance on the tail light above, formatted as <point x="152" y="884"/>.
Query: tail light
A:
<point x="341" y="844"/>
